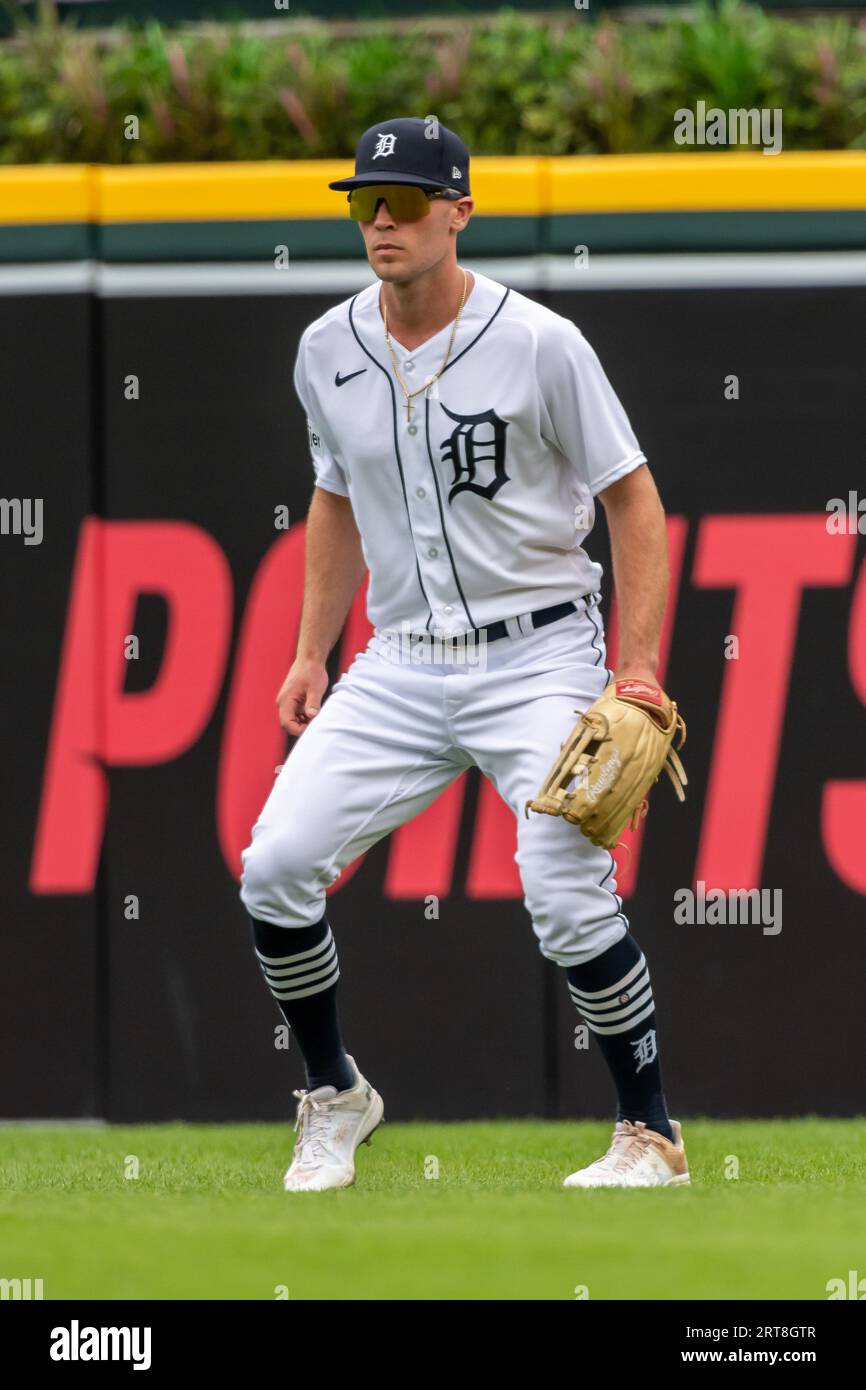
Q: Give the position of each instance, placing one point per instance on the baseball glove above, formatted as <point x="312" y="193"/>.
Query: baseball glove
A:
<point x="613" y="756"/>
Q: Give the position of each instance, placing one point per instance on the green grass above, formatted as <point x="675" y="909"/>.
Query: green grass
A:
<point x="207" y="1217"/>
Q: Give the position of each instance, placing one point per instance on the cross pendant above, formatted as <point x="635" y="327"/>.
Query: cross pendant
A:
<point x="408" y="409"/>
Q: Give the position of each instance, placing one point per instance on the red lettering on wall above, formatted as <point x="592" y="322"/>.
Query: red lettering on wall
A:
<point x="768" y="560"/>
<point x="96" y="724"/>
<point x="843" y="808"/>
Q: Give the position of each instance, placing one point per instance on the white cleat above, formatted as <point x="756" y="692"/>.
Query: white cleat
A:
<point x="637" y="1157"/>
<point x="331" y="1124"/>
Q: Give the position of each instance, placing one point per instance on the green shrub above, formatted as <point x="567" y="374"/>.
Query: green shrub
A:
<point x="516" y="84"/>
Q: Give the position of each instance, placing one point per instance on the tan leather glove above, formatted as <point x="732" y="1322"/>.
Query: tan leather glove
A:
<point x="612" y="757"/>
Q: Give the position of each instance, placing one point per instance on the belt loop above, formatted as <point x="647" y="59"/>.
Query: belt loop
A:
<point x="513" y="627"/>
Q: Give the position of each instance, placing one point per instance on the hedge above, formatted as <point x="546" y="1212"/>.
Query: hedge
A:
<point x="514" y="84"/>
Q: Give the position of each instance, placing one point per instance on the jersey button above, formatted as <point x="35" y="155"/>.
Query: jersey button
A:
<point x="413" y="429"/>
<point x="432" y="552"/>
<point x="409" y="366"/>
<point x="420" y="492"/>
<point x="448" y="608"/>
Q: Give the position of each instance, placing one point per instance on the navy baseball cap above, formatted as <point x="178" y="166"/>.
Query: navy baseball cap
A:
<point x="410" y="150"/>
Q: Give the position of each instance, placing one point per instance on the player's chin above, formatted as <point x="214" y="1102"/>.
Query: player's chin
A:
<point x="390" y="265"/>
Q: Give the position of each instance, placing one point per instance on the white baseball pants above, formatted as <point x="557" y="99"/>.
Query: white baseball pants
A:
<point x="394" y="733"/>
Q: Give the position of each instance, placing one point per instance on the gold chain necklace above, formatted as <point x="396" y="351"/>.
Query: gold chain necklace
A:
<point x="429" y="382"/>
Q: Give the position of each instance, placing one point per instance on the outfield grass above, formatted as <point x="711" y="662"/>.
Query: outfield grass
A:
<point x="207" y="1217"/>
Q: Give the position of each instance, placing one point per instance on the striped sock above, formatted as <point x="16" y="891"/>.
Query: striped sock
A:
<point x="613" y="996"/>
<point x="301" y="970"/>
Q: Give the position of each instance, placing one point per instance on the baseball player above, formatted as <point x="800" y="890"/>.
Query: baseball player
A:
<point x="460" y="435"/>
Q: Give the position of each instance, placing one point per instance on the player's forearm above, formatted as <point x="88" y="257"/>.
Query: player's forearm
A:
<point x="334" y="569"/>
<point x="639" y="551"/>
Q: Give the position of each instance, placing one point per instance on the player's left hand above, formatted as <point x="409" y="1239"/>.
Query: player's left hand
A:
<point x="612" y="757"/>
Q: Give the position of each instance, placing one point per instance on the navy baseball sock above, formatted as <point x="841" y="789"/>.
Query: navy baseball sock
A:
<point x="613" y="996"/>
<point x="301" y="970"/>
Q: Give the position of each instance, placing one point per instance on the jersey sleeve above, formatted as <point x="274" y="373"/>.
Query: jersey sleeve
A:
<point x="580" y="411"/>
<point x="323" y="452"/>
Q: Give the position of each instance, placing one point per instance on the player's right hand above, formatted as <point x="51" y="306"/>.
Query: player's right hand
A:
<point x="300" y="697"/>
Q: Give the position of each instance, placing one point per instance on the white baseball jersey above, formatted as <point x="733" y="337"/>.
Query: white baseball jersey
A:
<point x="474" y="510"/>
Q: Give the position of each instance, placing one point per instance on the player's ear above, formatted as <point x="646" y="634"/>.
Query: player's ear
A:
<point x="461" y="213"/>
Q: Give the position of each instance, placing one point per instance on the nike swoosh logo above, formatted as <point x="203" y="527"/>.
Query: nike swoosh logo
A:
<point x="341" y="380"/>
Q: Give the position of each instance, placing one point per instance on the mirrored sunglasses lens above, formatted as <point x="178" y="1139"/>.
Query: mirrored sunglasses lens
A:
<point x="405" y="202"/>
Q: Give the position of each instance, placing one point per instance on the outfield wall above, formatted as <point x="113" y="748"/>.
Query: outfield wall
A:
<point x="140" y="779"/>
<point x="270" y="211"/>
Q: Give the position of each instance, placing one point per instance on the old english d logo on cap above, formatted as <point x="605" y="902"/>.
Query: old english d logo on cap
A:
<point x="384" y="145"/>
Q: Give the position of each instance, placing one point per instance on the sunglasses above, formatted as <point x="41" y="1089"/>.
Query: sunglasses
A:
<point x="406" y="201"/>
